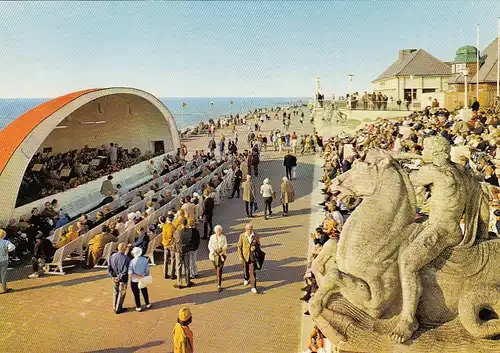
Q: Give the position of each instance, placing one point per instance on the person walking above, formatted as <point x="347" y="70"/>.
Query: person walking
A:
<point x="139" y="268"/>
<point x="247" y="243"/>
<point x="183" y="336"/>
<point x="255" y="159"/>
<point x="288" y="164"/>
<point x="208" y="214"/>
<point x="212" y="146"/>
<point x="238" y="176"/>
<point x="195" y="244"/>
<point x="248" y="195"/>
<point x="287" y="195"/>
<point x="167" y="240"/>
<point x="118" y="271"/>
<point x="294" y="167"/>
<point x="217" y="250"/>
<point x="267" y="193"/>
<point x="182" y="241"/>
<point x="5" y="248"/>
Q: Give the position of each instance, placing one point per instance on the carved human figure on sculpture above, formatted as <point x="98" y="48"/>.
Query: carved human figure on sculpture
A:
<point x="447" y="205"/>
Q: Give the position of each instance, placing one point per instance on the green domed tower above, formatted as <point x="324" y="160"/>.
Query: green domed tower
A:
<point x="467" y="54"/>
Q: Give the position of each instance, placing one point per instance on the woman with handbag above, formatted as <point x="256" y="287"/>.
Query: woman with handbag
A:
<point x="139" y="278"/>
<point x="217" y="248"/>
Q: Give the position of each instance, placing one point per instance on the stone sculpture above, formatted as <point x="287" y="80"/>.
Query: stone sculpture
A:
<point x="388" y="276"/>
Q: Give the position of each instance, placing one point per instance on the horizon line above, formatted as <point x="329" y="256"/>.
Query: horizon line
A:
<point x="179" y="97"/>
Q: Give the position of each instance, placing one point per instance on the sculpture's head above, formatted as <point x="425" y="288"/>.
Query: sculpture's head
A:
<point x="364" y="178"/>
<point x="436" y="150"/>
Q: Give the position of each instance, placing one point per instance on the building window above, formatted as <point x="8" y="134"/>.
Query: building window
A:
<point x="428" y="90"/>
<point x="457" y="68"/>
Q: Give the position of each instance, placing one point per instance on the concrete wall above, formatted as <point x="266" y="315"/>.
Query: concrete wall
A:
<point x="130" y="121"/>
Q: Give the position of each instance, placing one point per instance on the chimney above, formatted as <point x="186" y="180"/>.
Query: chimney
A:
<point x="405" y="52"/>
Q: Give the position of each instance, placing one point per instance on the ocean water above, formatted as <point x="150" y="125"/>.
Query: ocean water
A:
<point x="196" y="109"/>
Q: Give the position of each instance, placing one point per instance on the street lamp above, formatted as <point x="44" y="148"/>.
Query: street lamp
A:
<point x="349" y="78"/>
<point x="465" y="72"/>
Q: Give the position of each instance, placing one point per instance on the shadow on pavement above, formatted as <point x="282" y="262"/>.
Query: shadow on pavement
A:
<point x="273" y="271"/>
<point x="128" y="349"/>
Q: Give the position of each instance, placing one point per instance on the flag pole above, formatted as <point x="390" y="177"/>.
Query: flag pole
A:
<point x="182" y="115"/>
<point x="477" y="64"/>
<point x="498" y="58"/>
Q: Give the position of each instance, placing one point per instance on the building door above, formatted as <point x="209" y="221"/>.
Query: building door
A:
<point x="408" y="92"/>
<point x="159" y="147"/>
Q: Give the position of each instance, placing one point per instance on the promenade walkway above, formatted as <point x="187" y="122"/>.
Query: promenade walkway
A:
<point x="72" y="313"/>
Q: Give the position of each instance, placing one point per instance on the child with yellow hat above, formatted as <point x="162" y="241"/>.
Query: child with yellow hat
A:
<point x="183" y="336"/>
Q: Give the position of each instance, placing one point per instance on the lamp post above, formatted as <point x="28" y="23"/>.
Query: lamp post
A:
<point x="411" y="94"/>
<point x="465" y="73"/>
<point x="349" y="78"/>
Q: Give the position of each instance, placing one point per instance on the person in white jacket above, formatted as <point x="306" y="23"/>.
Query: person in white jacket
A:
<point x="5" y="248"/>
<point x="217" y="250"/>
<point x="267" y="193"/>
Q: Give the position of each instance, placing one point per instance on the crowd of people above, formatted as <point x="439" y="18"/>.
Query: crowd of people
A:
<point x="41" y="224"/>
<point x="179" y="232"/>
<point x="48" y="174"/>
<point x="475" y="141"/>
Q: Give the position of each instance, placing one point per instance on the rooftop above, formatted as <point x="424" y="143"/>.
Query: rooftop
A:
<point x="415" y="62"/>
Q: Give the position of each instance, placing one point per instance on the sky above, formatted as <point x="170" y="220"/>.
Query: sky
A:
<point x="225" y="49"/>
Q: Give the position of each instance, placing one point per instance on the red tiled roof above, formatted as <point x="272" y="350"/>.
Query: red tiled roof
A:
<point x="14" y="134"/>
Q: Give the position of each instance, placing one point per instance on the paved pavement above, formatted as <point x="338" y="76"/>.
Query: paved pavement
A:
<point x="72" y="313"/>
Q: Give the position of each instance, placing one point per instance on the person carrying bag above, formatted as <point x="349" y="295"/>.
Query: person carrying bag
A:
<point x="139" y="271"/>
<point x="257" y="256"/>
<point x="217" y="248"/>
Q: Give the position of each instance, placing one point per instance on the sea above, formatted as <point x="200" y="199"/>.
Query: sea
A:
<point x="194" y="111"/>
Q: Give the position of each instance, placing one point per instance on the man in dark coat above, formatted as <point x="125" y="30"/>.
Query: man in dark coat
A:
<point x="208" y="213"/>
<point x="475" y="106"/>
<point x="238" y="176"/>
<point x="194" y="244"/>
<point x="182" y="247"/>
<point x="255" y="160"/>
<point x="288" y="163"/>
<point x="43" y="253"/>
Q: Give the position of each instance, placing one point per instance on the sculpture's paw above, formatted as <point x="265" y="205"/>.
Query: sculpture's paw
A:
<point x="315" y="305"/>
<point x="404" y="330"/>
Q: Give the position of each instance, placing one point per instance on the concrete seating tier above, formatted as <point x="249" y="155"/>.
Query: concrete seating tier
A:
<point x="78" y="245"/>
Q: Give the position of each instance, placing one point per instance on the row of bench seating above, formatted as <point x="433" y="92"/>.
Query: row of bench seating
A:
<point x="77" y="245"/>
<point x="122" y="201"/>
<point x="93" y="199"/>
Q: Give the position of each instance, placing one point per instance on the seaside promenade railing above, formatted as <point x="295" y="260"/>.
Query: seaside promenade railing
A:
<point x="78" y="245"/>
<point x="377" y="105"/>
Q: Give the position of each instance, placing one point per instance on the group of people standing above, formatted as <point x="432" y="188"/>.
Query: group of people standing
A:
<point x="287" y="196"/>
